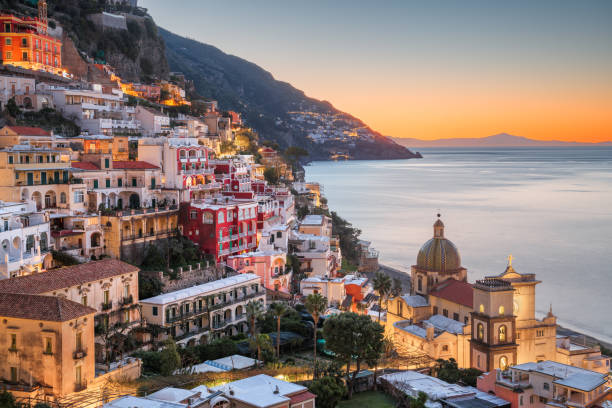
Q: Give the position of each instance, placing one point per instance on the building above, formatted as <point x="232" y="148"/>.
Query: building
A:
<point x="437" y="337"/>
<point x="24" y="42"/>
<point x="320" y="225"/>
<point x="41" y="176"/>
<point x="153" y="122"/>
<point x="117" y="146"/>
<point x="18" y="87"/>
<point x="359" y="293"/>
<point x="270" y="266"/>
<point x="260" y="391"/>
<point x="204" y="312"/>
<point x="440" y="394"/>
<point x="185" y="165"/>
<point x="452" y="298"/>
<point x="25" y="239"/>
<point x="581" y="355"/>
<point x="220" y="226"/>
<point x="109" y="286"/>
<point x="46" y="345"/>
<point x="317" y="257"/>
<point x="95" y="111"/>
<point x="437" y="260"/>
<point x="25" y="135"/>
<point x="411" y="308"/>
<point x="368" y="257"/>
<point x="547" y="384"/>
<point x="127" y="233"/>
<point x="81" y="236"/>
<point x="331" y="288"/>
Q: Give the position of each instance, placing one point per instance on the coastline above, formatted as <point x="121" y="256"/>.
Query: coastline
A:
<point x="580" y="337"/>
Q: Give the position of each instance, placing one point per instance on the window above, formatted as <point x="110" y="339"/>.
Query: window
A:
<point x="120" y="182"/>
<point x="220" y="218"/>
<point x="480" y="331"/>
<point x="521" y="400"/>
<point x="456" y="316"/>
<point x="78" y="341"/>
<point x="126" y="316"/>
<point x="546" y="386"/>
<point x="13" y="341"/>
<point x="133" y="181"/>
<point x="14" y="374"/>
<point x="48" y="345"/>
<point x="106" y="296"/>
<point x="10" y="159"/>
<point x="435" y="310"/>
<point x="24" y="56"/>
<point x="445" y="347"/>
<point x="63" y="198"/>
<point x="194" y="215"/>
<point x="79" y="196"/>
<point x="400" y="307"/>
<point x="106" y="163"/>
<point x="481" y="308"/>
<point x="466" y="320"/>
<point x="503" y="363"/>
<point x="107" y="183"/>
<point x="24" y="42"/>
<point x="420" y="284"/>
<point x="502" y="333"/>
<point x="9" y="55"/>
<point x="84" y="300"/>
<point x="95" y="183"/>
<point x="501" y="310"/>
<point x="9" y="41"/>
<point x="126" y="290"/>
<point x="153" y="182"/>
<point x="154" y="311"/>
<point x="445" y="312"/>
<point x="279" y="234"/>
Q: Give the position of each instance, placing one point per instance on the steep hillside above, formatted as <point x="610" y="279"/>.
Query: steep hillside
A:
<point x="276" y="109"/>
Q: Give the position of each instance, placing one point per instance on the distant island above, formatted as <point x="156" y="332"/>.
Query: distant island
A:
<point x="499" y="140"/>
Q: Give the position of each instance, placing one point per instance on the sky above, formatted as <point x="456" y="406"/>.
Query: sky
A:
<point x="428" y="69"/>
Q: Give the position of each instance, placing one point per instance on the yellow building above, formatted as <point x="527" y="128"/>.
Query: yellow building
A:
<point x="40" y="175"/>
<point x="18" y="135"/>
<point x="117" y="146"/>
<point x="414" y="308"/>
<point x="46" y="345"/>
<point x="128" y="232"/>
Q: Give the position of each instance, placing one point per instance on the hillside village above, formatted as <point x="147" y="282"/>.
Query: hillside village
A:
<point x="157" y="251"/>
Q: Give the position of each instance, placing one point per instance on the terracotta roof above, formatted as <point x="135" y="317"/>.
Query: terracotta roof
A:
<point x="455" y="291"/>
<point x="69" y="276"/>
<point x="301" y="397"/>
<point x="85" y="166"/>
<point x="36" y="307"/>
<point x="29" y="131"/>
<point x="125" y="164"/>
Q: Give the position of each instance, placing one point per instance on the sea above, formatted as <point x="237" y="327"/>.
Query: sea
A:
<point x="550" y="208"/>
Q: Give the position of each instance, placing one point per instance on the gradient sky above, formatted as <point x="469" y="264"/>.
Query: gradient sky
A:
<point x="429" y="69"/>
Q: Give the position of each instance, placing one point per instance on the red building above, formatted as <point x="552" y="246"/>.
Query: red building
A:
<point x="220" y="226"/>
<point x="25" y="43"/>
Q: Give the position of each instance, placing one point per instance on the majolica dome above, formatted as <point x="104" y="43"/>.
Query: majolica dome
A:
<point x="439" y="254"/>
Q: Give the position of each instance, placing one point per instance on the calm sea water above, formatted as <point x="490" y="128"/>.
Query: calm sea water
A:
<point x="551" y="208"/>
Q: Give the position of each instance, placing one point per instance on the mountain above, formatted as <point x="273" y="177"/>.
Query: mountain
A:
<point x="499" y="140"/>
<point x="277" y="110"/>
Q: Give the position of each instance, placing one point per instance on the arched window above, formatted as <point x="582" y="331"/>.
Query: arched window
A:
<point x="501" y="310"/>
<point x="502" y="333"/>
<point x="481" y="308"/>
<point x="63" y="198"/>
<point x="220" y="218"/>
<point x="503" y="363"/>
<point x="480" y="331"/>
<point x="420" y="284"/>
<point x="182" y="154"/>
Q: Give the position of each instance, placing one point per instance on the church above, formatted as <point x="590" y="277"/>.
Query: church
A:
<point x="489" y="324"/>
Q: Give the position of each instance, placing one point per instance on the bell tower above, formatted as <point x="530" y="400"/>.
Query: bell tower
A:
<point x="42" y="16"/>
<point x="493" y="341"/>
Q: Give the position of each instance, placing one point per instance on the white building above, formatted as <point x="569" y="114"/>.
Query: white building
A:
<point x="24" y="236"/>
<point x="153" y="122"/>
<point x="94" y="111"/>
<point x="331" y="288"/>
<point x="209" y="310"/>
<point x="315" y="254"/>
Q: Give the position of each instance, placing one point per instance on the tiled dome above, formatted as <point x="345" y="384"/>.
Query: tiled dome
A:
<point x="439" y="254"/>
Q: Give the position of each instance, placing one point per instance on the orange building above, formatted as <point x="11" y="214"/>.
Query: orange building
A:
<point x="24" y="42"/>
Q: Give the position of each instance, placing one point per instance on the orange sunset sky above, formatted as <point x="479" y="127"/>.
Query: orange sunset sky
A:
<point x="427" y="70"/>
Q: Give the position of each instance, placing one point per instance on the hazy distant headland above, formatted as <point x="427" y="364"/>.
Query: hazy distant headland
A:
<point x="499" y="140"/>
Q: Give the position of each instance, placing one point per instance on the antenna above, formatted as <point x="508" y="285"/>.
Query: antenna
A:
<point x="510" y="260"/>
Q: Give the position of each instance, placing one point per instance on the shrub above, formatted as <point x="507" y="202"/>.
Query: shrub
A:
<point x="329" y="391"/>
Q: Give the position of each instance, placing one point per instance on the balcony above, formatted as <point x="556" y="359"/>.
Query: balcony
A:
<point x="239" y="299"/>
<point x="107" y="305"/>
<point x="128" y="300"/>
<point x="80" y="386"/>
<point x="79" y="354"/>
<point x="188" y="315"/>
<point x="226" y="322"/>
<point x="191" y="333"/>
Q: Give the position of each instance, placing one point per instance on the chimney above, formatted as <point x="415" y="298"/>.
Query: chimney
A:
<point x="276" y="390"/>
<point x="429" y="330"/>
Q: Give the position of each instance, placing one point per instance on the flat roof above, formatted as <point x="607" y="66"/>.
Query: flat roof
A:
<point x="208" y="287"/>
<point x="259" y="390"/>
<point x="566" y="375"/>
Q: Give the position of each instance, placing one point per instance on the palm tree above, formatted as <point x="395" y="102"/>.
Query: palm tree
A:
<point x="382" y="285"/>
<point x="316" y="305"/>
<point x="253" y="311"/>
<point x="278" y="310"/>
<point x="261" y="342"/>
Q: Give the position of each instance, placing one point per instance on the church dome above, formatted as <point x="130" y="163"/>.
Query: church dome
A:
<point x="439" y="254"/>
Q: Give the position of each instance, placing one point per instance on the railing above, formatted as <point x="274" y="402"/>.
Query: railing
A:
<point x="108" y="305"/>
<point x="187" y="315"/>
<point x="223" y="323"/>
<point x="79" y="354"/>
<point x="132" y="237"/>
<point x="80" y="386"/>
<point x="126" y="300"/>
<point x="192" y="333"/>
<point x="234" y="301"/>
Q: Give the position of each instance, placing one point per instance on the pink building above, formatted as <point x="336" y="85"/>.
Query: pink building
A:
<point x="270" y="266"/>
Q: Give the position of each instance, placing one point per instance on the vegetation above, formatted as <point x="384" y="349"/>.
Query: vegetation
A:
<point x="382" y="285"/>
<point x="64" y="259"/>
<point x="169" y="359"/>
<point x="329" y="391"/>
<point x="271" y="175"/>
<point x="148" y="285"/>
<point x="369" y="399"/>
<point x="176" y="252"/>
<point x="278" y="310"/>
<point x="254" y="310"/>
<point x="447" y="370"/>
<point x="353" y="337"/>
<point x="316" y="305"/>
<point x="261" y="343"/>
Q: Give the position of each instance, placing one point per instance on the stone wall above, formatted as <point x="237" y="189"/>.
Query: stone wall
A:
<point x="189" y="276"/>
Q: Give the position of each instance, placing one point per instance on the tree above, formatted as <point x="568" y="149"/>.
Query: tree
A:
<point x="449" y="371"/>
<point x="271" y="175"/>
<point x="170" y="359"/>
<point x="351" y="336"/>
<point x="261" y="342"/>
<point x="253" y="311"/>
<point x="12" y="108"/>
<point x="294" y="153"/>
<point x="328" y="390"/>
<point x="278" y="310"/>
<point x="396" y="288"/>
<point x="316" y="305"/>
<point x="7" y="399"/>
<point x="382" y="285"/>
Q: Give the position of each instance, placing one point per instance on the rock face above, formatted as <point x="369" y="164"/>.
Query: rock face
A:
<point x="277" y="110"/>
